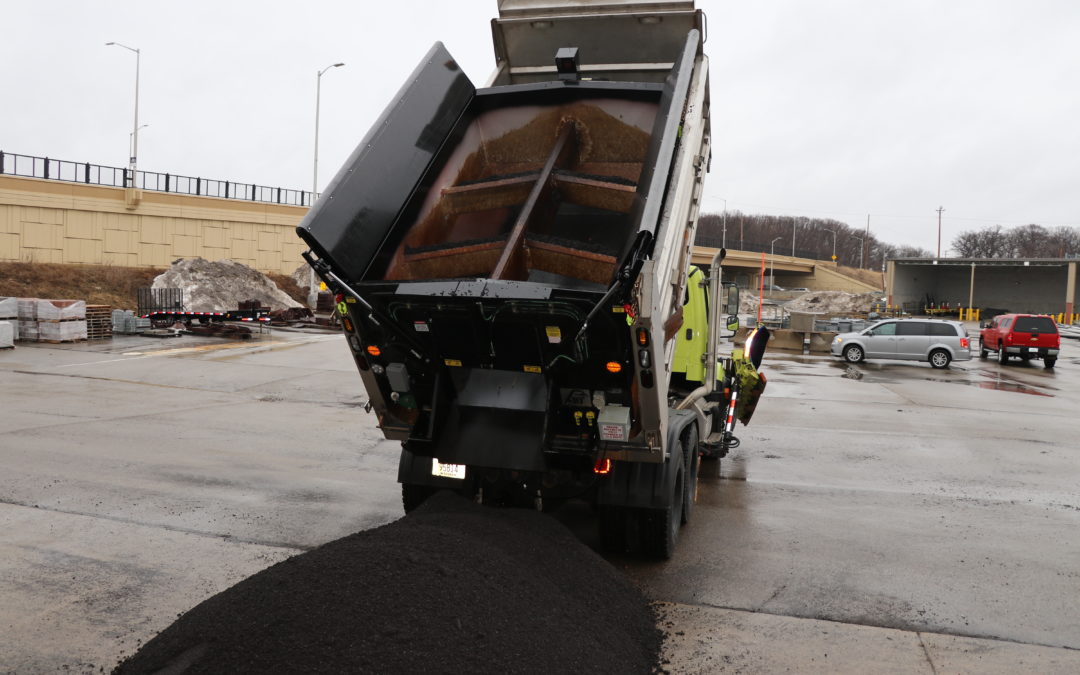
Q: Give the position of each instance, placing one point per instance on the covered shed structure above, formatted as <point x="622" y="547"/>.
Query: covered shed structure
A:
<point x="1027" y="285"/>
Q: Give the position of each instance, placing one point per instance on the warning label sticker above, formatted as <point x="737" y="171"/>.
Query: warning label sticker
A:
<point x="612" y="432"/>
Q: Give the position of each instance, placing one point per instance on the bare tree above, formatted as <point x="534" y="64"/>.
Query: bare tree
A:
<point x="1026" y="241"/>
<point x="992" y="242"/>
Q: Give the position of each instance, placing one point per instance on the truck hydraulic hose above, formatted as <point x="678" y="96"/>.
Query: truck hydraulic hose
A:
<point x="373" y="314"/>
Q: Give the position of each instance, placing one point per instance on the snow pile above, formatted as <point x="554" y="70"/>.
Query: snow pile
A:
<point x="302" y="276"/>
<point x="222" y="285"/>
<point x="834" y="302"/>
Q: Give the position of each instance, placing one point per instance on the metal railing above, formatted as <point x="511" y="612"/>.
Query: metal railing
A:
<point x="733" y="243"/>
<point x="29" y="166"/>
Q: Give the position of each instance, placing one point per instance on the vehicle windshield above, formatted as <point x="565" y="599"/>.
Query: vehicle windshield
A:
<point x="1035" y="324"/>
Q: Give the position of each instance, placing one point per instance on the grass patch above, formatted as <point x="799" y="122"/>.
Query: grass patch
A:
<point x="96" y="284"/>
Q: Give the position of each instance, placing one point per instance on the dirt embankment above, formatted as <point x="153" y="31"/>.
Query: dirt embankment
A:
<point x="453" y="587"/>
<point x="97" y="284"/>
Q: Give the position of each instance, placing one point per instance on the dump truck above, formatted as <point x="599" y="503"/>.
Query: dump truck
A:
<point x="512" y="268"/>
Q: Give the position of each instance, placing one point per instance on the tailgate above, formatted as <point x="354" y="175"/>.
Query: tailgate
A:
<point x="1036" y="331"/>
<point x="350" y="221"/>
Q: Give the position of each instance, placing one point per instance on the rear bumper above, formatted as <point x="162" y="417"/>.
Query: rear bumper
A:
<point x="1032" y="352"/>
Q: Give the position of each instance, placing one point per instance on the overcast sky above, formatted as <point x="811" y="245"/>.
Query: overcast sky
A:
<point x="837" y="109"/>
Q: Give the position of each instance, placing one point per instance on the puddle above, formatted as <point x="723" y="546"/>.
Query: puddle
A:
<point x="852" y="373"/>
<point x="959" y="376"/>
<point x="1008" y="386"/>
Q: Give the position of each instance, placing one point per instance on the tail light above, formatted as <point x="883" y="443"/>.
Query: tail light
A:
<point x="602" y="467"/>
<point x="613" y="367"/>
<point x="963" y="343"/>
<point x="373" y="350"/>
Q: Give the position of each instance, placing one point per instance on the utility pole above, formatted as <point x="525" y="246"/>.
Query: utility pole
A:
<point x="939" y="210"/>
<point x="866" y="241"/>
<point x="723" y="241"/>
<point x="794" y="222"/>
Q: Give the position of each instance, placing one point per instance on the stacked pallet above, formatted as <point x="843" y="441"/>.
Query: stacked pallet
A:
<point x="9" y="314"/>
<point x="27" y="313"/>
<point x="99" y="324"/>
<point x="125" y="321"/>
<point x="61" y="320"/>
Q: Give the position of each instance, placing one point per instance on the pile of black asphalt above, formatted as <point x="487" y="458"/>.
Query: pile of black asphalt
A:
<point x="453" y="587"/>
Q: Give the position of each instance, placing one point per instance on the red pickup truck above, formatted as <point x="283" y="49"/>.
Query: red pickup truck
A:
<point x="1026" y="336"/>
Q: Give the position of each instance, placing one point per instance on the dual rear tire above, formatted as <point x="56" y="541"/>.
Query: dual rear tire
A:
<point x="655" y="532"/>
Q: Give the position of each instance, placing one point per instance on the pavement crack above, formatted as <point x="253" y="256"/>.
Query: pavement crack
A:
<point x="107" y="379"/>
<point x="772" y="597"/>
<point x="171" y="528"/>
<point x="926" y="651"/>
<point x="84" y="421"/>
<point x="883" y="626"/>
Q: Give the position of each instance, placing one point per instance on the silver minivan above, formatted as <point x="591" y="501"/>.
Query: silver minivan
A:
<point x="936" y="341"/>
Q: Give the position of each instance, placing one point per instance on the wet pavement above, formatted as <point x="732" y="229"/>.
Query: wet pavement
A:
<point x="879" y="517"/>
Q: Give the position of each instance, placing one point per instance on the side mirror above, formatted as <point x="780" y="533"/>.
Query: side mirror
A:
<point x="868" y="331"/>
<point x="731" y="300"/>
<point x="733" y="323"/>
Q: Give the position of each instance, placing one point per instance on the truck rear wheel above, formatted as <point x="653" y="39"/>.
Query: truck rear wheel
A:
<point x="413" y="496"/>
<point x="660" y="527"/>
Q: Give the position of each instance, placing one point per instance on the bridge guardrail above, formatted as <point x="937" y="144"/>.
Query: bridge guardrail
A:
<point x="29" y="166"/>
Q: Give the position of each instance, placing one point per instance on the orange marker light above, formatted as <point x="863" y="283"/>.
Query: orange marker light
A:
<point x="373" y="350"/>
<point x="642" y="337"/>
<point x="602" y="467"/>
<point x="614" y="367"/>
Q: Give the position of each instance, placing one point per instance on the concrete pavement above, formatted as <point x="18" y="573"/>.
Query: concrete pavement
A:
<point x="877" y="518"/>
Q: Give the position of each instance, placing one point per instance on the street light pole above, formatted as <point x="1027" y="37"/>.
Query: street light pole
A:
<point x="318" y="93"/>
<point x="131" y="137"/>
<point x="135" y="127"/>
<point x="939" y="210"/>
<point x="833" y="230"/>
<point x="862" y="248"/>
<point x="794" y="222"/>
<point x="313" y="291"/>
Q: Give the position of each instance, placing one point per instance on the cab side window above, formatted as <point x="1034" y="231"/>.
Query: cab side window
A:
<point x="886" y="329"/>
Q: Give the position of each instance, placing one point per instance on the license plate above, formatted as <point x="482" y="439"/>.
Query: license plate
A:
<point x="447" y="470"/>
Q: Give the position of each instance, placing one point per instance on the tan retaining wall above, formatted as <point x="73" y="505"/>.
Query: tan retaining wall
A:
<point x="59" y="222"/>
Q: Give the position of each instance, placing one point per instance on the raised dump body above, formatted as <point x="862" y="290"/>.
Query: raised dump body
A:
<point x="512" y="265"/>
